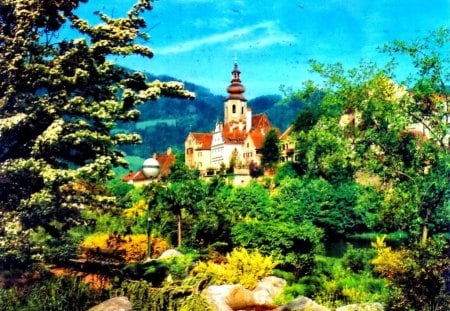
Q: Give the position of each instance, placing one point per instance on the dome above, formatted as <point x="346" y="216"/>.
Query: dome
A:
<point x="151" y="168"/>
<point x="236" y="89"/>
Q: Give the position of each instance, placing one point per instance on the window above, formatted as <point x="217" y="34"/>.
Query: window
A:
<point x="234" y="108"/>
<point x="242" y="110"/>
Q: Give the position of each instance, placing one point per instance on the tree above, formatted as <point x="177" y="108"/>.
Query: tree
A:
<point x="59" y="101"/>
<point x="181" y="196"/>
<point x="270" y="150"/>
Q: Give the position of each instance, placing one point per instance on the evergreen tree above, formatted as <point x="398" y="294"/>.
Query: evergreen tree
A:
<point x="59" y="101"/>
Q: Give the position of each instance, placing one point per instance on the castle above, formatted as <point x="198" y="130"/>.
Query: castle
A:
<point x="235" y="142"/>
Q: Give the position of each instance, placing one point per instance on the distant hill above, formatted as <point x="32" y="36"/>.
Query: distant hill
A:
<point x="167" y="121"/>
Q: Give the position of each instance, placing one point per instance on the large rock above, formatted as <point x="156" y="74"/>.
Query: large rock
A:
<point x="114" y="304"/>
<point x="228" y="297"/>
<point x="267" y="289"/>
<point x="236" y="297"/>
<point x="362" y="307"/>
<point x="302" y="304"/>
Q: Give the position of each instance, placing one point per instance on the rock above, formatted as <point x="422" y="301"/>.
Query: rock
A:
<point x="170" y="253"/>
<point x="302" y="304"/>
<point x="236" y="297"/>
<point x="267" y="289"/>
<point x="229" y="297"/>
<point x="362" y="307"/>
<point x="114" y="304"/>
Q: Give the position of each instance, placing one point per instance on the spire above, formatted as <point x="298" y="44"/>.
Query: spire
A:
<point x="236" y="89"/>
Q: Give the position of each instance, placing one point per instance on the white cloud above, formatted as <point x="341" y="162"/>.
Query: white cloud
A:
<point x="258" y="35"/>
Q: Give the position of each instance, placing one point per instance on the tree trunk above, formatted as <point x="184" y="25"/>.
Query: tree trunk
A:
<point x="179" y="230"/>
<point x="425" y="226"/>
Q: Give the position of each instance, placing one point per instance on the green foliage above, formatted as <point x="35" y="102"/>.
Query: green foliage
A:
<point x="331" y="207"/>
<point x="293" y="245"/>
<point x="196" y="302"/>
<point x="64" y="97"/>
<point x="169" y="297"/>
<point x="53" y="294"/>
<point x="358" y="259"/>
<point x="251" y="201"/>
<point x="270" y="150"/>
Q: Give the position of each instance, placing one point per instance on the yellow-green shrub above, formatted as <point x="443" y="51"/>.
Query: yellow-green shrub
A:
<point x="240" y="267"/>
<point x="388" y="262"/>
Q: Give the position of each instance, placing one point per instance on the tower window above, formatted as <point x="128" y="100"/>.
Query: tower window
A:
<point x="242" y="110"/>
<point x="234" y="108"/>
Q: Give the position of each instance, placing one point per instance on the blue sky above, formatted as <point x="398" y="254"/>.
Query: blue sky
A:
<point x="198" y="40"/>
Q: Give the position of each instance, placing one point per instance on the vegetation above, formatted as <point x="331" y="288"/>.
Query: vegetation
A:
<point x="372" y="154"/>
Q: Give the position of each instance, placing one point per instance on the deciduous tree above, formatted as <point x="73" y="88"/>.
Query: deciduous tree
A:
<point x="59" y="101"/>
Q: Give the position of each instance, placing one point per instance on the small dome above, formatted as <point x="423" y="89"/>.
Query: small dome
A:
<point x="236" y="89"/>
<point x="151" y="168"/>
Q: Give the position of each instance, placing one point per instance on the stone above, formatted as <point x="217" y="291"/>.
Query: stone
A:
<point x="236" y="297"/>
<point x="302" y="304"/>
<point x="120" y="303"/>
<point x="268" y="288"/>
<point x="170" y="253"/>
<point x="362" y="307"/>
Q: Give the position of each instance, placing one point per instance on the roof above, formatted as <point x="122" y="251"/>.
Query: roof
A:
<point x="166" y="161"/>
<point x="258" y="139"/>
<point x="134" y="176"/>
<point x="261" y="121"/>
<point x="203" y="139"/>
<point x="232" y="135"/>
<point x="287" y="132"/>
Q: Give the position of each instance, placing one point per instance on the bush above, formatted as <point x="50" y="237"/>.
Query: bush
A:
<point x="129" y="248"/>
<point x="293" y="245"/>
<point x="241" y="266"/>
<point x="358" y="259"/>
<point x="51" y="294"/>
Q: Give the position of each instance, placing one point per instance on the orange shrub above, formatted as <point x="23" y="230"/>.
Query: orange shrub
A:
<point x="129" y="248"/>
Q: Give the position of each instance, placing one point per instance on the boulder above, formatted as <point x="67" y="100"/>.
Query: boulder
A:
<point x="302" y="304"/>
<point x="114" y="304"/>
<point x="236" y="297"/>
<point x="228" y="297"/>
<point x="267" y="289"/>
<point x="362" y="307"/>
<point x="169" y="254"/>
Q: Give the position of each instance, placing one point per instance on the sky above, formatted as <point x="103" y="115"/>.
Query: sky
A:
<point x="272" y="41"/>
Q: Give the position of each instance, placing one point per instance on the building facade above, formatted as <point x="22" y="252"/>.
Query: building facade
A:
<point x="235" y="141"/>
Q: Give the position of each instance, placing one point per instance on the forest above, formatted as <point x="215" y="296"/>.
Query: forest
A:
<point x="363" y="216"/>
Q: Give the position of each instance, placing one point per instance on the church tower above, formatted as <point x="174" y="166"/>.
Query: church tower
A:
<point x="235" y="106"/>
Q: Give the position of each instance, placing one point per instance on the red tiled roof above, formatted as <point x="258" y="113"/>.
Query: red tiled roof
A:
<point x="261" y="121"/>
<point x="204" y="139"/>
<point x="233" y="135"/>
<point x="258" y="139"/>
<point x="166" y="161"/>
<point x="134" y="176"/>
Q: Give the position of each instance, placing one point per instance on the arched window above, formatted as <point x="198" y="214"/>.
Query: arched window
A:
<point x="234" y="108"/>
<point x="242" y="110"/>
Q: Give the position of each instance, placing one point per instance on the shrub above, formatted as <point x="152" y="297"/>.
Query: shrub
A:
<point x="358" y="259"/>
<point x="241" y="266"/>
<point x="51" y="294"/>
<point x="130" y="248"/>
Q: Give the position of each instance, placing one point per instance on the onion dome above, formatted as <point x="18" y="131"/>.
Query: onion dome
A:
<point x="151" y="168"/>
<point x="236" y="89"/>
